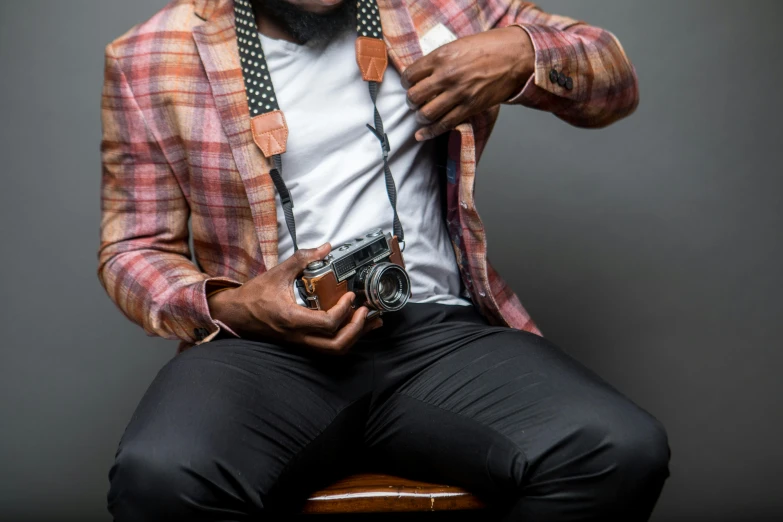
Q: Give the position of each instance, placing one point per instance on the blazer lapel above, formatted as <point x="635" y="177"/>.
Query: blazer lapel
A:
<point x="399" y="32"/>
<point x="216" y="43"/>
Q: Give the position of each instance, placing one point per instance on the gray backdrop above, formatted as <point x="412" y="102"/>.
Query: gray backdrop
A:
<point x="650" y="250"/>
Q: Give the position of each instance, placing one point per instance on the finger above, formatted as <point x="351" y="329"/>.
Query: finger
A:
<point x="436" y="109"/>
<point x="343" y="310"/>
<point x="295" y="318"/>
<point x="456" y="116"/>
<point x="356" y="327"/>
<point x="423" y="92"/>
<point x="294" y="265"/>
<point x="372" y="324"/>
<point x="417" y="71"/>
<point x="345" y="338"/>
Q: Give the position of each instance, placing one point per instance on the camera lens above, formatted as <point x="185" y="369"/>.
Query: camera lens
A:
<point x="386" y="286"/>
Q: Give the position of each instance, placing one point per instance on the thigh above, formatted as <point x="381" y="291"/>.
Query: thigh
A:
<point x="240" y="427"/>
<point x="501" y="411"/>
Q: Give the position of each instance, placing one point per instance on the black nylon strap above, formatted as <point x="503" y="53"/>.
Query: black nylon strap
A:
<point x="391" y="189"/>
<point x="285" y="197"/>
<point x="261" y="97"/>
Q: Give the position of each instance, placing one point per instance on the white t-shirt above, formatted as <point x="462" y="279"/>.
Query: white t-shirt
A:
<point x="334" y="170"/>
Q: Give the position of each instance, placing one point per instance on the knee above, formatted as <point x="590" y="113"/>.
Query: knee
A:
<point x="630" y="449"/>
<point x="609" y="463"/>
<point x="149" y="485"/>
<point x="639" y="446"/>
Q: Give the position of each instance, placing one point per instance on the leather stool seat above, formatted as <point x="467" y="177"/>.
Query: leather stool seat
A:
<point x="377" y="493"/>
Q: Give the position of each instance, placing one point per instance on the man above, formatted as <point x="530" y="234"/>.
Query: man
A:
<point x="275" y="399"/>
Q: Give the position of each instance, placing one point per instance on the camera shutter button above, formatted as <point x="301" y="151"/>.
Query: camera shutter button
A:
<point x="315" y="265"/>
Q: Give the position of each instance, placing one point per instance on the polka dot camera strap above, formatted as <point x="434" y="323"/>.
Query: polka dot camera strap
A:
<point x="270" y="131"/>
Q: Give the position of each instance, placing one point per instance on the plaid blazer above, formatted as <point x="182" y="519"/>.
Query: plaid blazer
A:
<point x="177" y="144"/>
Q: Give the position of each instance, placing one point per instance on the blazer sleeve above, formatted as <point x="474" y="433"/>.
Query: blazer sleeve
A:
<point x="602" y="86"/>
<point x="144" y="257"/>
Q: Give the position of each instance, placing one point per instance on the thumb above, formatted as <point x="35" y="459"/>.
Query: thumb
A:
<point x="303" y="257"/>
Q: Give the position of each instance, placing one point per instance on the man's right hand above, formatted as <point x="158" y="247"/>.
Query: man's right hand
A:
<point x="265" y="308"/>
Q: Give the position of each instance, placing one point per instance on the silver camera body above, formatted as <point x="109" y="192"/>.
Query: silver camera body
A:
<point x="370" y="265"/>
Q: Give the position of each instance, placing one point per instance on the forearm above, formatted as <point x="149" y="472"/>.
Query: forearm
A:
<point x="144" y="258"/>
<point x="579" y="72"/>
<point x="162" y="292"/>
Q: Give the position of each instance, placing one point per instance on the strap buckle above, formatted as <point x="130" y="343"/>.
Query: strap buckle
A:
<point x="384" y="139"/>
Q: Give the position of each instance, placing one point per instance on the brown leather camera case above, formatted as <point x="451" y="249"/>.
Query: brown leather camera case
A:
<point x="329" y="291"/>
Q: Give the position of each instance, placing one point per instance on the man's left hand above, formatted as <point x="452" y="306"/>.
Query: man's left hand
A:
<point x="467" y="76"/>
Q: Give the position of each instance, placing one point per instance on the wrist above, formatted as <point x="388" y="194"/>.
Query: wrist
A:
<point x="223" y="305"/>
<point x="524" y="64"/>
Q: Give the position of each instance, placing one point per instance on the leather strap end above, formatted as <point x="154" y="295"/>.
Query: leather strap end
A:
<point x="270" y="132"/>
<point x="372" y="58"/>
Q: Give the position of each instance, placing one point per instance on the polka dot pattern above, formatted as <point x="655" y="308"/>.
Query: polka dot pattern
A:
<point x="368" y="19"/>
<point x="258" y="81"/>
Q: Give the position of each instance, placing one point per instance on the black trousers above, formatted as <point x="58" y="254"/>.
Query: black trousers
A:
<point x="242" y="430"/>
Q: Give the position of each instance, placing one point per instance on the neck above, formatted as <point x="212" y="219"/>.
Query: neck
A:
<point x="289" y="20"/>
<point x="271" y="28"/>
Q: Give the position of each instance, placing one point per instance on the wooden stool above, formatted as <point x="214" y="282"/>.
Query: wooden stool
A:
<point x="373" y="493"/>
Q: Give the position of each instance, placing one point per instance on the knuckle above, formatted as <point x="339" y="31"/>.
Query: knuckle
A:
<point x="331" y="324"/>
<point x="440" y="79"/>
<point x="451" y="71"/>
<point x="343" y="346"/>
<point x="428" y="112"/>
<point x="437" y="128"/>
<point x="448" y="83"/>
<point x="300" y="255"/>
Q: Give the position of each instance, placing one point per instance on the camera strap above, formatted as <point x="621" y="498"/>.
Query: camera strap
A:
<point x="270" y="131"/>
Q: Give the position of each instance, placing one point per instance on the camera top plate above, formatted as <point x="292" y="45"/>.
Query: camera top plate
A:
<point x="347" y="258"/>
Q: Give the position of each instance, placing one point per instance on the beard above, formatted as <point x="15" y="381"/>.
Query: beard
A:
<point x="307" y="27"/>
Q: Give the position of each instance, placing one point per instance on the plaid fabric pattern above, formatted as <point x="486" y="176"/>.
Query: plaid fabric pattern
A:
<point x="177" y="144"/>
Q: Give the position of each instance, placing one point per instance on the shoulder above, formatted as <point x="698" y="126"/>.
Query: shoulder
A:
<point x="169" y="30"/>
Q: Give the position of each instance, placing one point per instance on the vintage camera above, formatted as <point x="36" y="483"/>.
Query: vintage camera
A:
<point x="371" y="266"/>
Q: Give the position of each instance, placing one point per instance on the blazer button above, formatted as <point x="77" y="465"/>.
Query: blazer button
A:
<point x="562" y="79"/>
<point x="569" y="84"/>
<point x="553" y="76"/>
